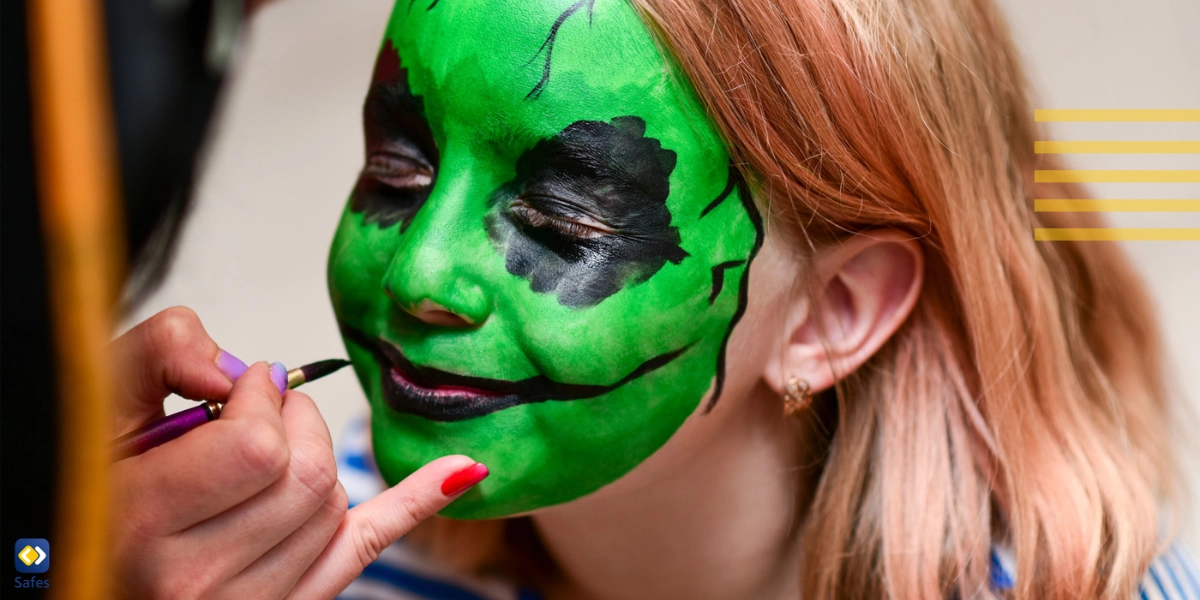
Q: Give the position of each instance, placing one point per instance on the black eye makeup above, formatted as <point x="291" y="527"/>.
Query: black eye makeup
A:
<point x="402" y="158"/>
<point x="586" y="214"/>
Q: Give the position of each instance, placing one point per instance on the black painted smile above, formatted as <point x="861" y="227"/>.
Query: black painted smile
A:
<point x="443" y="396"/>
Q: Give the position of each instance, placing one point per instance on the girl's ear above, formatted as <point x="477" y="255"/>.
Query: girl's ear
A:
<point x="867" y="286"/>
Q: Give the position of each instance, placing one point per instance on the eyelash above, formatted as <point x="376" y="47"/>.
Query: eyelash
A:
<point x="396" y="171"/>
<point x="540" y="220"/>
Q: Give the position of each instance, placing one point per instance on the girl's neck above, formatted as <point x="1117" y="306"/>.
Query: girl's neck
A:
<point x="696" y="521"/>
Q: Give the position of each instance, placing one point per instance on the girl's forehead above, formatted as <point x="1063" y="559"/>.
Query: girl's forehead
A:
<point x="531" y="68"/>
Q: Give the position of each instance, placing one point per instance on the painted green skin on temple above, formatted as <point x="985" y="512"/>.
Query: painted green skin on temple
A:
<point x="562" y="191"/>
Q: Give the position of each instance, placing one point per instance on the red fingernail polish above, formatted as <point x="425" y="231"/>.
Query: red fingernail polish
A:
<point x="460" y="481"/>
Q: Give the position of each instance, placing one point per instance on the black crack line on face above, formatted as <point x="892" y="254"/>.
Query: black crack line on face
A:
<point x="718" y="274"/>
<point x="427" y="9"/>
<point x="413" y="389"/>
<point x="402" y="157"/>
<point x="729" y="183"/>
<point x="586" y="214"/>
<point x="743" y="192"/>
<point x="548" y="45"/>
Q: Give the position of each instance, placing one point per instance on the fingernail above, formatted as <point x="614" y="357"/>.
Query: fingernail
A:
<point x="464" y="479"/>
<point x="230" y="365"/>
<point x="279" y="377"/>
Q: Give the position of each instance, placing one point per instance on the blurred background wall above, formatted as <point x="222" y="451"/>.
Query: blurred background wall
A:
<point x="289" y="143"/>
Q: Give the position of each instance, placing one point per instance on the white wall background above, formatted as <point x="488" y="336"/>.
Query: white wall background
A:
<point x="288" y="146"/>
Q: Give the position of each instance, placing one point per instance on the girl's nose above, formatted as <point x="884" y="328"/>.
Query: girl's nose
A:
<point x="433" y="313"/>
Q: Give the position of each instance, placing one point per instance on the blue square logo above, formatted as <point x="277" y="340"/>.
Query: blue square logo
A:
<point x="32" y="555"/>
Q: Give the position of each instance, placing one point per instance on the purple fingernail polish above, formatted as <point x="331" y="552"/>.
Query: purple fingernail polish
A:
<point x="279" y="376"/>
<point x="230" y="365"/>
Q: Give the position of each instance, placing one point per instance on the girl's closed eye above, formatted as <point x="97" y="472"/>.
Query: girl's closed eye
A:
<point x="398" y="171"/>
<point x="576" y="226"/>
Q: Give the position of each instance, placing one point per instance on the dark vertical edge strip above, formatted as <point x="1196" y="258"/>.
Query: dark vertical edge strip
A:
<point x="29" y="435"/>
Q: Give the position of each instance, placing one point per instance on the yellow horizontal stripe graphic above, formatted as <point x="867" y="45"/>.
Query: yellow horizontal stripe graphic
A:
<point x="1142" y="115"/>
<point x="1075" y="205"/>
<point x="1117" y="176"/>
<point x="1097" y="147"/>
<point x="1116" y="234"/>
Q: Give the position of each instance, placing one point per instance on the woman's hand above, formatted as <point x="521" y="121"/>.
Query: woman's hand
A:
<point x="247" y="506"/>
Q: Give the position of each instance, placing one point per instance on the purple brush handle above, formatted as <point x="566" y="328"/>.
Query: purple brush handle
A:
<point x="164" y="430"/>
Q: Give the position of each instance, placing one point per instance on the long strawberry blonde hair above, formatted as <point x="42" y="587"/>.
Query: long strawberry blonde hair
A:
<point x="1022" y="405"/>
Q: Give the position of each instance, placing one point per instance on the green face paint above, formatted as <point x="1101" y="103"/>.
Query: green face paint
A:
<point x="540" y="170"/>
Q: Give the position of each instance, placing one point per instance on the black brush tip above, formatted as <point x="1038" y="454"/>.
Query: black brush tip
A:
<point x="321" y="368"/>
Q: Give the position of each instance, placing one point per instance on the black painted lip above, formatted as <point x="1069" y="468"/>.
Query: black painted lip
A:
<point x="443" y="396"/>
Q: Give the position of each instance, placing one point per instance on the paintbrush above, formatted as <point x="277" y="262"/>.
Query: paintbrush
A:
<point x="170" y="427"/>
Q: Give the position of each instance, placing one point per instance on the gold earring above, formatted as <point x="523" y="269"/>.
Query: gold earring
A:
<point x="797" y="396"/>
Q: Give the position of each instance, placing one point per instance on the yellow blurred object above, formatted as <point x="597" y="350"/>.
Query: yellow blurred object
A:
<point x="1117" y="115"/>
<point x="1111" y="147"/>
<point x="1116" y="234"/>
<point x="1115" y="205"/>
<point x="1116" y="176"/>
<point x="75" y="150"/>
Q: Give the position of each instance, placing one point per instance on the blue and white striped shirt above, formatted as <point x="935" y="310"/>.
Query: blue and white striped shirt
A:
<point x="401" y="573"/>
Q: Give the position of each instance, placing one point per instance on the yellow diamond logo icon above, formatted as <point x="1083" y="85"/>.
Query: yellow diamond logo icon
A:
<point x="27" y="555"/>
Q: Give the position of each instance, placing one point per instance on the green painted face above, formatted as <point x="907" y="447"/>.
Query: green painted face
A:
<point x="540" y="170"/>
